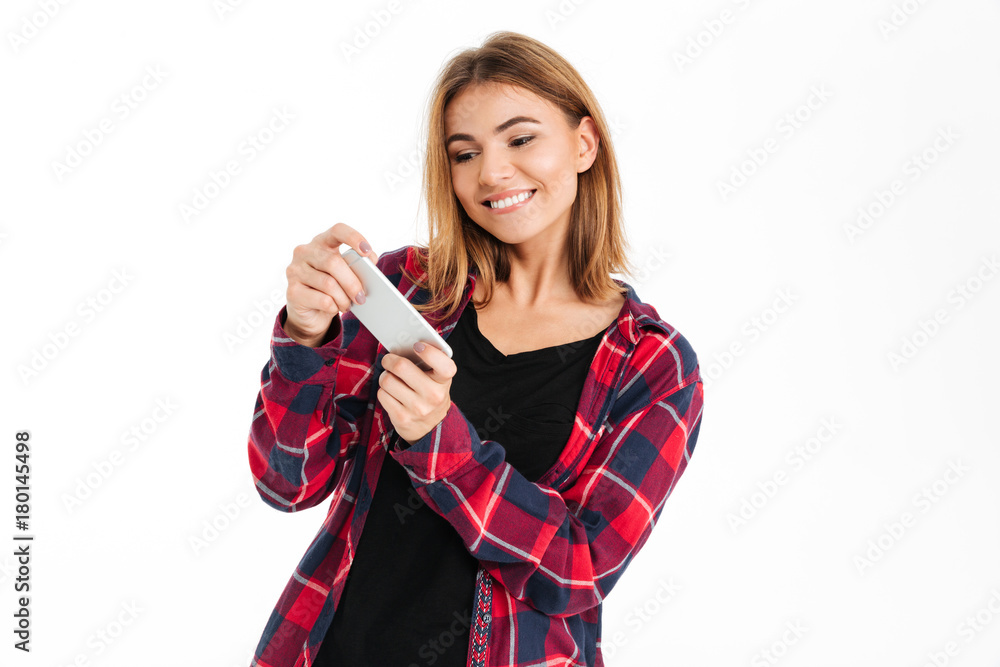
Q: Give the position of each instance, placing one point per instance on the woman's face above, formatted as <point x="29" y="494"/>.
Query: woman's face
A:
<point x="508" y="145"/>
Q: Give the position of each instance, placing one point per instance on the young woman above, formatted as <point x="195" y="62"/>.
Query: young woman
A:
<point x="481" y="510"/>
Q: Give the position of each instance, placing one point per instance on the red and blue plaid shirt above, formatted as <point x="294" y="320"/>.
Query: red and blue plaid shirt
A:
<point x="549" y="551"/>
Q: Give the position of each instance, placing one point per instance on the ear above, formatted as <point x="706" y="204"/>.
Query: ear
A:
<point x="586" y="134"/>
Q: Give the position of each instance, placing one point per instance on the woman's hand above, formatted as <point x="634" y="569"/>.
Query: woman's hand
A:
<point x="321" y="285"/>
<point x="416" y="400"/>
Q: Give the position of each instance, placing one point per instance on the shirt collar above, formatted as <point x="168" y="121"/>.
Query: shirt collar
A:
<point x="636" y="315"/>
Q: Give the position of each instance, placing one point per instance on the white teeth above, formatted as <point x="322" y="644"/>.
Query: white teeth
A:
<point x="510" y="201"/>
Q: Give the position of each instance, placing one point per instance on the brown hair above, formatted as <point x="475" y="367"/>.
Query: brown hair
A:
<point x="597" y="244"/>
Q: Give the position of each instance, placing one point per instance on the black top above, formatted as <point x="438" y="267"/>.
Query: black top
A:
<point x="409" y="592"/>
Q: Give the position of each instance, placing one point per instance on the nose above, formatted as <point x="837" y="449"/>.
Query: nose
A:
<point x="494" y="167"/>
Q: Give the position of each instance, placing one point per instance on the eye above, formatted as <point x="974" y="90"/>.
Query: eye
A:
<point x="516" y="143"/>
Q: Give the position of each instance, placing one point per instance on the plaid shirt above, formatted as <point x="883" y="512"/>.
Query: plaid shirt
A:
<point x="549" y="551"/>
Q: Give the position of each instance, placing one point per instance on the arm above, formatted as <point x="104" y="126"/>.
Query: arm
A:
<point x="308" y="415"/>
<point x="302" y="432"/>
<point x="562" y="552"/>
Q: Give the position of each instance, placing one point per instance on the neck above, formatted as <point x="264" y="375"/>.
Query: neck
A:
<point x="539" y="275"/>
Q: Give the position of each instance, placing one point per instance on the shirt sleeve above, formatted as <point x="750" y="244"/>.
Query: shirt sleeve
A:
<point x="308" y="414"/>
<point x="561" y="553"/>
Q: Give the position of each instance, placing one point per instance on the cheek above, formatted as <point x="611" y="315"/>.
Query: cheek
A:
<point x="561" y="183"/>
<point x="463" y="188"/>
<point x="555" y="172"/>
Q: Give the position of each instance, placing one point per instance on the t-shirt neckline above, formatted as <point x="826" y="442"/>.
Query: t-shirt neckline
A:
<point x="526" y="354"/>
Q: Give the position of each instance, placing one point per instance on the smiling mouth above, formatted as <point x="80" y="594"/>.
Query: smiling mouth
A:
<point x="510" y="201"/>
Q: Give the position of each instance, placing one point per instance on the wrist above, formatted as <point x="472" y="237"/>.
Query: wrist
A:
<point x="301" y="337"/>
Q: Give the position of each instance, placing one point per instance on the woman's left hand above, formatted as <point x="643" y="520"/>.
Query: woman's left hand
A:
<point x="416" y="400"/>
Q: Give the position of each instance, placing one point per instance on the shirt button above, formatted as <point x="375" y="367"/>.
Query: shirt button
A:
<point x="487" y="618"/>
<point x="328" y="362"/>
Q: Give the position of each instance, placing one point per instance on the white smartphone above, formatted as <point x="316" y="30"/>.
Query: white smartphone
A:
<point x="388" y="315"/>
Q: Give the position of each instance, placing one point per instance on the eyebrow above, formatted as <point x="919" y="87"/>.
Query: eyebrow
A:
<point x="499" y="128"/>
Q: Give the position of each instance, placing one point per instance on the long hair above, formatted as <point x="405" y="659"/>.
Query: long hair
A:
<point x="597" y="245"/>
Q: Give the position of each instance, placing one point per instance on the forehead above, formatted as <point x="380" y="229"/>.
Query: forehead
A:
<point x="490" y="104"/>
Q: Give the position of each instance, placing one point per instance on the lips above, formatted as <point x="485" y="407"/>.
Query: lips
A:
<point x="508" y="198"/>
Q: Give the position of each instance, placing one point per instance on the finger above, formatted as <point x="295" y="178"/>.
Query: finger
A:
<point x="313" y="256"/>
<point x="389" y="402"/>
<point x="314" y="285"/>
<point x="397" y="388"/>
<point x="441" y="364"/>
<point x="303" y="298"/>
<point x="342" y="233"/>
<point x="403" y="370"/>
<point x="333" y="274"/>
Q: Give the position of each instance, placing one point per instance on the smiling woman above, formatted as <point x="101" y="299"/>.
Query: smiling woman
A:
<point x="482" y="510"/>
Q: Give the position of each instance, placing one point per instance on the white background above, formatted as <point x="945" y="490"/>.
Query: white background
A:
<point x="754" y="541"/>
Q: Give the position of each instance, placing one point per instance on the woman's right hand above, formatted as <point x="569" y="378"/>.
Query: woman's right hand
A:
<point x="321" y="285"/>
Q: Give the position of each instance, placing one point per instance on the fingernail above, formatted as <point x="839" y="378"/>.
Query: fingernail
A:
<point x="360" y="298"/>
<point x="365" y="248"/>
<point x="418" y="346"/>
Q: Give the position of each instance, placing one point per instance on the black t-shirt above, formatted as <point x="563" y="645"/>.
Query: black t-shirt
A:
<point x="408" y="596"/>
